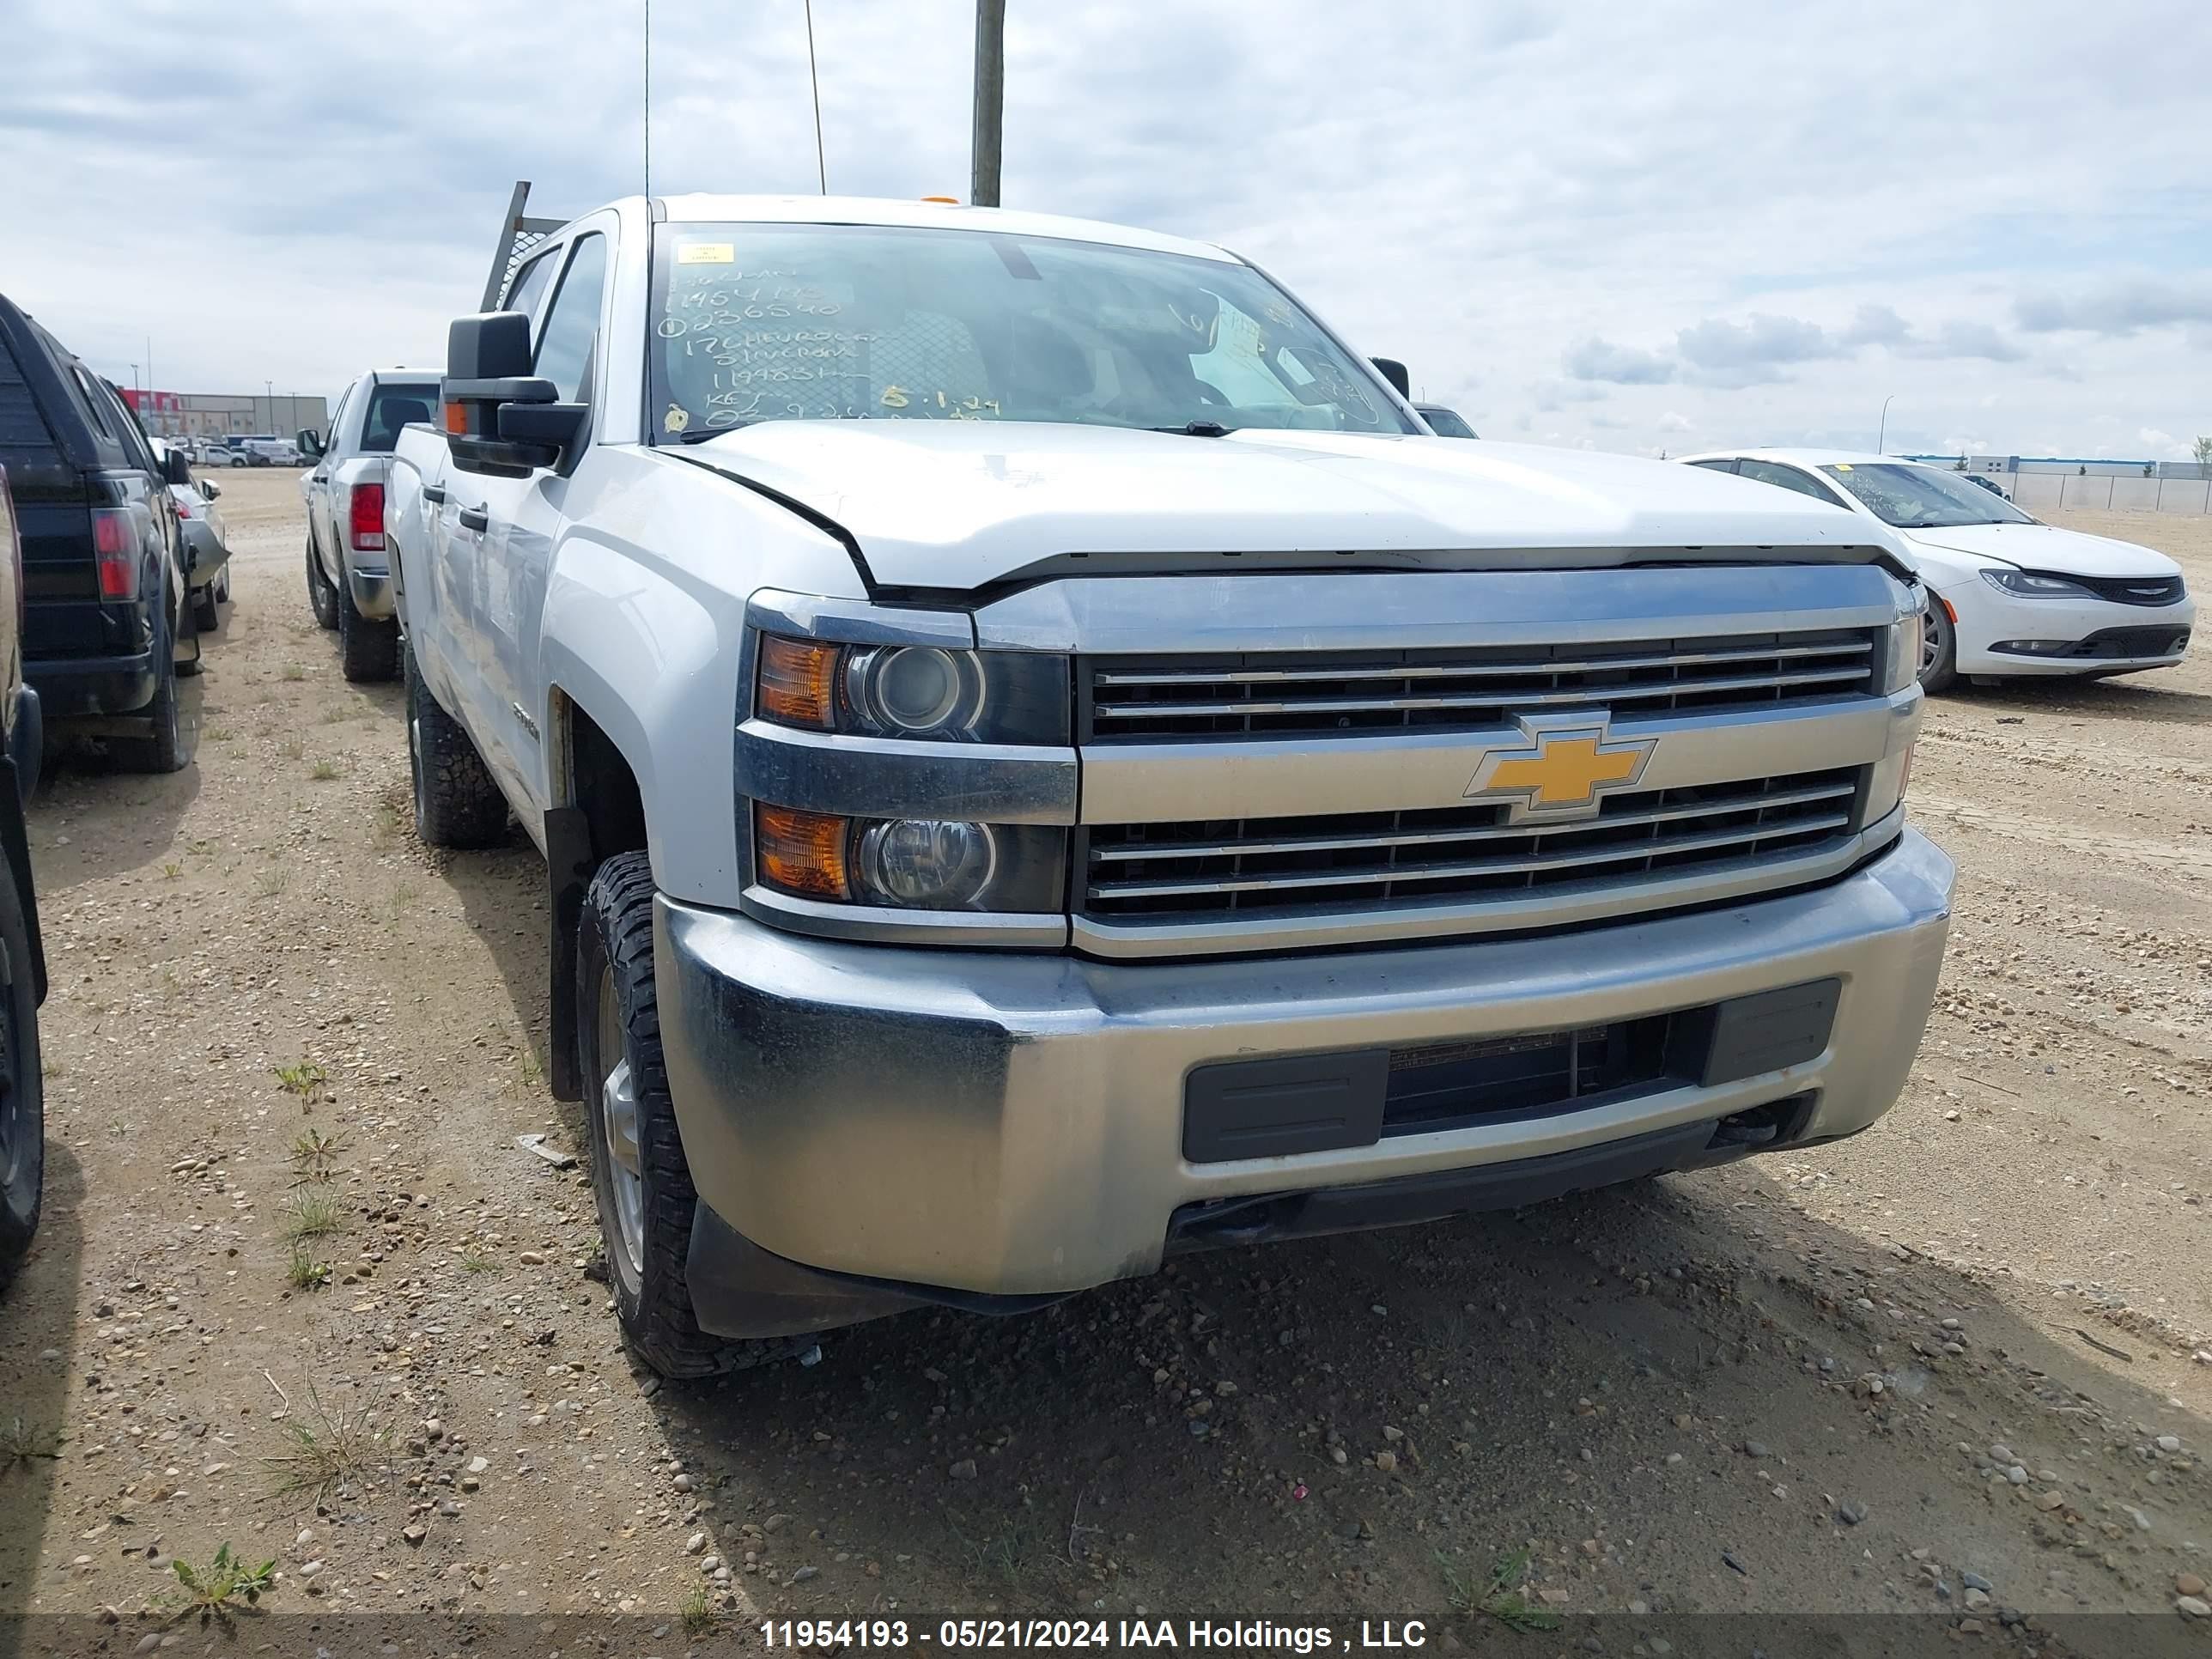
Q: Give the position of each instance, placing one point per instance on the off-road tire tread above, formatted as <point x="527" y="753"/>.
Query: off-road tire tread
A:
<point x="368" y="650"/>
<point x="207" y="609"/>
<point x="661" y="1328"/>
<point x="19" y="1222"/>
<point x="457" y="804"/>
<point x="322" y="595"/>
<point x="162" y="749"/>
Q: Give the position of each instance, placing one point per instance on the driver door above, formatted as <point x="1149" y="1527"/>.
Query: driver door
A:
<point x="522" y="519"/>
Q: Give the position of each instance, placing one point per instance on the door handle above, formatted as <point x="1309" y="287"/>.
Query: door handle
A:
<point x="475" y="517"/>
<point x="434" y="492"/>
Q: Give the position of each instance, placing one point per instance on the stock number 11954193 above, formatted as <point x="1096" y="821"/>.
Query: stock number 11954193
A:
<point x="1015" y="1633"/>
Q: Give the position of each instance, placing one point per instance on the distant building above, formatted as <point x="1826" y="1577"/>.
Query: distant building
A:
<point x="211" y="414"/>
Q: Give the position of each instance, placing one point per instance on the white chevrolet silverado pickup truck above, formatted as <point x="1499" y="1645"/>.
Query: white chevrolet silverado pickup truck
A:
<point x="1044" y="764"/>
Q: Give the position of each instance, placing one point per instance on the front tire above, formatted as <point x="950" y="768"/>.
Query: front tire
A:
<point x="1939" y="649"/>
<point x="23" y="1088"/>
<point x="321" y="594"/>
<point x="369" y="651"/>
<point x="457" y="803"/>
<point x="639" y="1173"/>
<point x="207" y="609"/>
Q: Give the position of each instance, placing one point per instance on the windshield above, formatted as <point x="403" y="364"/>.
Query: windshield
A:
<point x="771" y="322"/>
<point x="393" y="404"/>
<point x="1445" y="422"/>
<point x="1922" y="498"/>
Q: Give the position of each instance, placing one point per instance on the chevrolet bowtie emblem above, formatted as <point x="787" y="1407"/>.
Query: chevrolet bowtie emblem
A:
<point x="1569" y="767"/>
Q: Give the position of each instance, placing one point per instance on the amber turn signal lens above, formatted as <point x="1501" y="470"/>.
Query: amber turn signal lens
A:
<point x="799" y="682"/>
<point x="801" y="853"/>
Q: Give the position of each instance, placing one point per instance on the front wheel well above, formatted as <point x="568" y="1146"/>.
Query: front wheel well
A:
<point x="602" y="813"/>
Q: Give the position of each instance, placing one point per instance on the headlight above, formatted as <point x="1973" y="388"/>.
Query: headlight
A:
<point x="2037" y="585"/>
<point x="925" y="691"/>
<point x="915" y="690"/>
<point x="910" y="864"/>
<point x="934" y="863"/>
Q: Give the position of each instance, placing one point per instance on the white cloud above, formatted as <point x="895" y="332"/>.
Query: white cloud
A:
<point x="1677" y="210"/>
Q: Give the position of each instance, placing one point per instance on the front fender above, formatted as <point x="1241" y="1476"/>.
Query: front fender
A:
<point x="652" y="660"/>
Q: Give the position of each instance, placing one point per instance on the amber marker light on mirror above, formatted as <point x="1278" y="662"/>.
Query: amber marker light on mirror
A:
<point x="799" y="683"/>
<point x="801" y="853"/>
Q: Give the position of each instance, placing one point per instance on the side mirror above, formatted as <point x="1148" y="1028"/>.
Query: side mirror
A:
<point x="310" y="442"/>
<point x="209" y="488"/>
<point x="1394" y="372"/>
<point x="175" y="469"/>
<point x="499" y="418"/>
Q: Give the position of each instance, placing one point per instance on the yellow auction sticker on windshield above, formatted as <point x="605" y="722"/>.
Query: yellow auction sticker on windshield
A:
<point x="707" y="253"/>
<point x="1843" y="466"/>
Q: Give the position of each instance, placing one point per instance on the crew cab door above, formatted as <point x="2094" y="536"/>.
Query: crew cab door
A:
<point x="517" y="524"/>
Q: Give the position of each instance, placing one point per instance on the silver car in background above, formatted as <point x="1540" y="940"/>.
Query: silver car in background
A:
<point x="207" y="544"/>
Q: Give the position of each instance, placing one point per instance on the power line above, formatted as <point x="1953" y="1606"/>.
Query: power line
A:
<point x="821" y="167"/>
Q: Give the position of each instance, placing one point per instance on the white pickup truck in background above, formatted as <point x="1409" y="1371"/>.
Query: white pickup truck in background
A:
<point x="349" y="574"/>
<point x="1043" y="764"/>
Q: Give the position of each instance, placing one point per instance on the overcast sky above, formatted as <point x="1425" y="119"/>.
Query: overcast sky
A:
<point x="1639" y="227"/>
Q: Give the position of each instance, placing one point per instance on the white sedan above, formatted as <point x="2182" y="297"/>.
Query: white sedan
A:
<point x="2010" y="595"/>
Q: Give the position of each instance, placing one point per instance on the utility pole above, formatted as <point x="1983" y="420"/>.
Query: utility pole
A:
<point x="990" y="99"/>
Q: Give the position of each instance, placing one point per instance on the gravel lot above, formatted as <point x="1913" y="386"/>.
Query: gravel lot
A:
<point x="1944" y="1368"/>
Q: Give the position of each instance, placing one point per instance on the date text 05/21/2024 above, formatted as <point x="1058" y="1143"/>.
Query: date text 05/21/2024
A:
<point x="1098" y="1635"/>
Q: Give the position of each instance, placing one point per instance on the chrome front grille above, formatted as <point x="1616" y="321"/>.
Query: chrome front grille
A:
<point x="1316" y="694"/>
<point x="1402" y="861"/>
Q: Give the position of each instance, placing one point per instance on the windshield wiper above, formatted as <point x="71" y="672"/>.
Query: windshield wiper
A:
<point x="1196" y="430"/>
<point x="699" y="434"/>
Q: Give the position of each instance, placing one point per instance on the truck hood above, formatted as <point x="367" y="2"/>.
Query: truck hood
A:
<point x="2046" y="547"/>
<point x="959" y="505"/>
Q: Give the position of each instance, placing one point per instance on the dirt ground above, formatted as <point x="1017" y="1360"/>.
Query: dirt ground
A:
<point x="1960" y="1367"/>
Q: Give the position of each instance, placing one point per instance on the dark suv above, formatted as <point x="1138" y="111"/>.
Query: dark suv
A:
<point x="105" y="571"/>
<point x="22" y="952"/>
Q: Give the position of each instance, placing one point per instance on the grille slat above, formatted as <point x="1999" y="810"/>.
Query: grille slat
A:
<point x="1640" y="852"/>
<point x="1404" y="859"/>
<point x="1437" y="670"/>
<point x="1604" y="696"/>
<point x="1443" y="837"/>
<point x="1283" y="696"/>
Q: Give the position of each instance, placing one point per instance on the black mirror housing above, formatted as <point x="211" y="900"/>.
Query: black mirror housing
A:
<point x="310" y="442"/>
<point x="492" y="346"/>
<point x="1394" y="372"/>
<point x="488" y="372"/>
<point x="175" y="468"/>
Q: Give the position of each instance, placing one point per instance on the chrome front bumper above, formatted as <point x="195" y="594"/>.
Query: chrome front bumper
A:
<point x="1011" y="1124"/>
